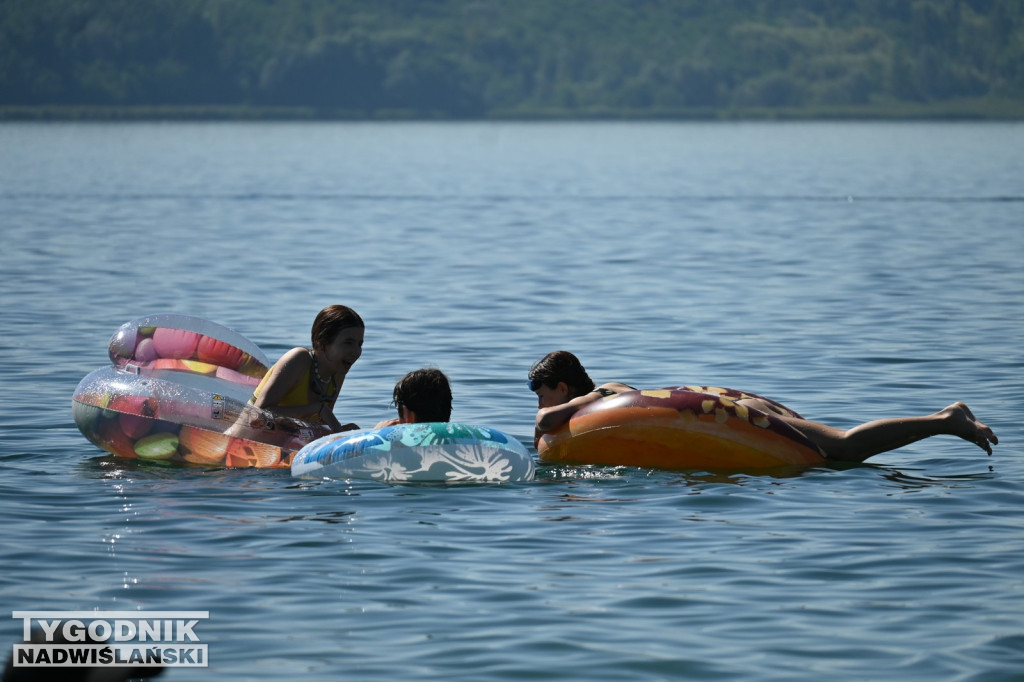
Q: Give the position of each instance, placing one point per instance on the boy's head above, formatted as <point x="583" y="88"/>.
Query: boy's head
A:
<point x="557" y="367"/>
<point x="425" y="393"/>
<point x="330" y="321"/>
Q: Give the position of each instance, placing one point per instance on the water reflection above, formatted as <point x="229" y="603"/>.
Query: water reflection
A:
<point x="323" y="517"/>
<point x="913" y="481"/>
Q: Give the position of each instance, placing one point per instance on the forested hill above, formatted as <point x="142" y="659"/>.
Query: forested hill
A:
<point x="494" y="58"/>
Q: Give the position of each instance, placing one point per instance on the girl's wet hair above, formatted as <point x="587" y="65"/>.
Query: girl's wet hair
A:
<point x="332" y="320"/>
<point x="561" y="365"/>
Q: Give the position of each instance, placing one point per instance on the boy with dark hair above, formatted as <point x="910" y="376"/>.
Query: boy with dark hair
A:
<point x="423" y="395"/>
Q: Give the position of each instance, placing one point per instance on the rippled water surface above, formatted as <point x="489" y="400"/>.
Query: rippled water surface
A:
<point x="851" y="271"/>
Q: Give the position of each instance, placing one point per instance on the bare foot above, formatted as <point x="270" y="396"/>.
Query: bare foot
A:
<point x="963" y="423"/>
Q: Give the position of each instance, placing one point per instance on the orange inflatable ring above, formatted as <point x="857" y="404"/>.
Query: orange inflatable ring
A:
<point x="680" y="427"/>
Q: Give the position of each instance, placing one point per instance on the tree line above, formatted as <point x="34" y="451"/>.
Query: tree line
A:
<point x="480" y="58"/>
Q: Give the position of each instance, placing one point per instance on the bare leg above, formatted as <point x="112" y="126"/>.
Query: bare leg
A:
<point x="883" y="435"/>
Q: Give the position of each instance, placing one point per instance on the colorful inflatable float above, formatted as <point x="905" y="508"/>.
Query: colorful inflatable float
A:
<point x="680" y="427"/>
<point x="177" y="389"/>
<point x="438" y="451"/>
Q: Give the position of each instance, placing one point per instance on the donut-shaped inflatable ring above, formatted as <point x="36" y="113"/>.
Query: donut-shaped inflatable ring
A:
<point x="436" y="451"/>
<point x="680" y="427"/>
<point x="178" y="390"/>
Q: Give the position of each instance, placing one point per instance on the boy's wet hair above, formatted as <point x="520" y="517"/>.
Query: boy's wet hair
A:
<point x="332" y="320"/>
<point x="427" y="393"/>
<point x="561" y="365"/>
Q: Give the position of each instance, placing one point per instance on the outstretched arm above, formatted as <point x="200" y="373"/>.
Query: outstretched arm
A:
<point x="550" y="418"/>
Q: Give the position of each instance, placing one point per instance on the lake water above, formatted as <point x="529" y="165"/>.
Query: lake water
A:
<point x="850" y="270"/>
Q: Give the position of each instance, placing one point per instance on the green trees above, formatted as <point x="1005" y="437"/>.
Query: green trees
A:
<point x="474" y="58"/>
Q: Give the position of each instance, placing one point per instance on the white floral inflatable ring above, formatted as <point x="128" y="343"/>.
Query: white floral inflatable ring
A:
<point x="436" y="451"/>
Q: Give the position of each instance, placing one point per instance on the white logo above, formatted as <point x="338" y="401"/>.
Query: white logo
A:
<point x="111" y="638"/>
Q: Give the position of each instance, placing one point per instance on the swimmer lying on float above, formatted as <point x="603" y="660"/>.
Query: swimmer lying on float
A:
<point x="567" y="395"/>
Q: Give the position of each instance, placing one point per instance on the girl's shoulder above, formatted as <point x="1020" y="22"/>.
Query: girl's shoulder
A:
<point x="297" y="358"/>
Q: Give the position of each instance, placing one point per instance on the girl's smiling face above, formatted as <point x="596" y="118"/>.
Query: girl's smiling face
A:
<point x="343" y="351"/>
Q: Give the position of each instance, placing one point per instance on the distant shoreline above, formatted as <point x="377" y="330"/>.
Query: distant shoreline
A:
<point x="971" y="110"/>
